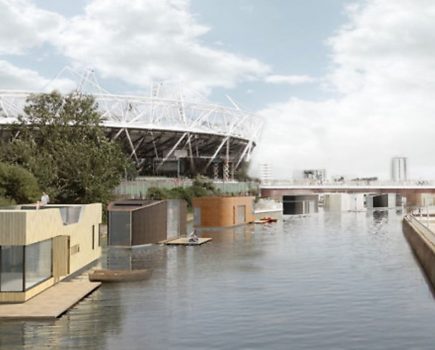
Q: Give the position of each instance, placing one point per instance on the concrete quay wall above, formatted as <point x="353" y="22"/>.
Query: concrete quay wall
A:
<point x="422" y="241"/>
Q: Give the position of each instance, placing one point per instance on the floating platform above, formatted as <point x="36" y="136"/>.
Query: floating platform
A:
<point x="185" y="241"/>
<point x="51" y="303"/>
<point x="119" y="275"/>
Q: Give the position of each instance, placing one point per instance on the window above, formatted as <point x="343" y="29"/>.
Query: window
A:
<point x="93" y="237"/>
<point x="38" y="258"/>
<point x="11" y="279"/>
<point x="119" y="228"/>
<point x="99" y="236"/>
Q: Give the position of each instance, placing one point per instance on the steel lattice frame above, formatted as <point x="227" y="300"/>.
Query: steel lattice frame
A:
<point x="159" y="128"/>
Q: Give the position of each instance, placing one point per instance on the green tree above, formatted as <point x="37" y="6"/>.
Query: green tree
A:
<point x="17" y="185"/>
<point x="61" y="141"/>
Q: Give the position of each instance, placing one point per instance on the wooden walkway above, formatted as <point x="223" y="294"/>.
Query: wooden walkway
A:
<point x="51" y="303"/>
<point x="185" y="241"/>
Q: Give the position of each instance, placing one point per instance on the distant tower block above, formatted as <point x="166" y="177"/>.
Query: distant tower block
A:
<point x="265" y="174"/>
<point x="399" y="170"/>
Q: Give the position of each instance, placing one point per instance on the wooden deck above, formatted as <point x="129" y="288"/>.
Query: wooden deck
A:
<point x="185" y="241"/>
<point x="51" y="303"/>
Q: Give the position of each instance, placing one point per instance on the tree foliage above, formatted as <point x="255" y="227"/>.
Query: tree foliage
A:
<point x="200" y="187"/>
<point x="17" y="185"/>
<point x="60" y="140"/>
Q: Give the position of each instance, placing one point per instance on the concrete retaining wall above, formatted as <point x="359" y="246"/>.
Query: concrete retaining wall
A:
<point x="422" y="242"/>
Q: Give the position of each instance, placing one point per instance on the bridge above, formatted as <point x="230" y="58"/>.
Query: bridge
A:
<point x="411" y="189"/>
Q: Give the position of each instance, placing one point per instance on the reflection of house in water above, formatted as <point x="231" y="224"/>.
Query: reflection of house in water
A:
<point x="223" y="211"/>
<point x="300" y="204"/>
<point x="85" y="327"/>
<point x="41" y="247"/>
<point x="137" y="222"/>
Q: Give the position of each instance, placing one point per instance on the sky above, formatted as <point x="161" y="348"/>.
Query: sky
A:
<point x="343" y="85"/>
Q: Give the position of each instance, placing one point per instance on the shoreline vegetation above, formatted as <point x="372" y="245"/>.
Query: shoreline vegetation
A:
<point x="59" y="146"/>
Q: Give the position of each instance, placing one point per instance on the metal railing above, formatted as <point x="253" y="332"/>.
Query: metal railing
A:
<point x="349" y="183"/>
<point x="424" y="230"/>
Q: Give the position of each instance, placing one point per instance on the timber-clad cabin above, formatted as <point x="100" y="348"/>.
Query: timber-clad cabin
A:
<point x="216" y="211"/>
<point x="135" y="222"/>
<point x="40" y="247"/>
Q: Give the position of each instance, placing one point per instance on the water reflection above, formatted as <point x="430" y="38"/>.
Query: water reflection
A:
<point x="330" y="281"/>
<point x="85" y="326"/>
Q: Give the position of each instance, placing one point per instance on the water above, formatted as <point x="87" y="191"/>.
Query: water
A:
<point x="329" y="281"/>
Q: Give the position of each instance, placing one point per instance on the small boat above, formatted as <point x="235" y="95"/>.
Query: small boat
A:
<point x="265" y="220"/>
<point x="269" y="219"/>
<point x="119" y="275"/>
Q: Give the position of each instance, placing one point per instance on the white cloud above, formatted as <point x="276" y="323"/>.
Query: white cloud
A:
<point x="289" y="79"/>
<point x="384" y="74"/>
<point x="139" y="41"/>
<point x="136" y="41"/>
<point x="16" y="78"/>
<point x="23" y="25"/>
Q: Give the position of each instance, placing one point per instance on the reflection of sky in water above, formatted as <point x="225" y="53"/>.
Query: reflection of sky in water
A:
<point x="329" y="281"/>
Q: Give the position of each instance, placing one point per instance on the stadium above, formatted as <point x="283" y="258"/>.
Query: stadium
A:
<point x="170" y="132"/>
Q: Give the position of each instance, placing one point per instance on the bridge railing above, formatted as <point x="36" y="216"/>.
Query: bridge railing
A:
<point x="329" y="183"/>
<point x="419" y="223"/>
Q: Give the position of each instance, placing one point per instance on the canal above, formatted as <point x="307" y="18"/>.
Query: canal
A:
<point x="328" y="281"/>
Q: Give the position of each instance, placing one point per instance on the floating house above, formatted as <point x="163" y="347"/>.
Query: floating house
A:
<point x="420" y="199"/>
<point x="137" y="222"/>
<point x="223" y="211"/>
<point x="40" y="247"/>
<point x="343" y="202"/>
<point x="300" y="204"/>
<point x="385" y="200"/>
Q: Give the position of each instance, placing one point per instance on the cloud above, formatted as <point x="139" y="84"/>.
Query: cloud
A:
<point x="136" y="41"/>
<point x="289" y="79"/>
<point x="383" y="74"/>
<point x="140" y="41"/>
<point x="23" y="26"/>
<point x="16" y="78"/>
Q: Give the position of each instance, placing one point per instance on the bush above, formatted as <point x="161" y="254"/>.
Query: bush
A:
<point x="17" y="185"/>
<point x="200" y="187"/>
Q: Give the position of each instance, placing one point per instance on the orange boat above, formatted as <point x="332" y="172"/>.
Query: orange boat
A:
<point x="268" y="219"/>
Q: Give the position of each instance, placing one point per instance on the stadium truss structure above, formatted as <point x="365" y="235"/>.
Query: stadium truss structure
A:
<point x="168" y="132"/>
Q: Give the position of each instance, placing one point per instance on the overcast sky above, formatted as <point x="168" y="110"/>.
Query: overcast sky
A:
<point x="343" y="85"/>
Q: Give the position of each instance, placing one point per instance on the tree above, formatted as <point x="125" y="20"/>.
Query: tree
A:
<point x="17" y="185"/>
<point x="60" y="140"/>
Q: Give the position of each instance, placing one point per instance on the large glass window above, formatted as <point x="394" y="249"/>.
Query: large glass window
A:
<point x="119" y="228"/>
<point x="11" y="277"/>
<point x="37" y="263"/>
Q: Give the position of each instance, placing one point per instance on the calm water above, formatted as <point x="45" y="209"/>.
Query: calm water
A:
<point x="328" y="281"/>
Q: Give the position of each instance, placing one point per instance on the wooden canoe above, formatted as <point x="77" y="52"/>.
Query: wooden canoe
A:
<point x="119" y="275"/>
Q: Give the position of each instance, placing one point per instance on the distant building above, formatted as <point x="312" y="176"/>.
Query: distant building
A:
<point x="265" y="174"/>
<point x="39" y="248"/>
<point x="399" y="170"/>
<point x="318" y="175"/>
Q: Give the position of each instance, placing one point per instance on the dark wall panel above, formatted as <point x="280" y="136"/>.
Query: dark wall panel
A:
<point x="149" y="224"/>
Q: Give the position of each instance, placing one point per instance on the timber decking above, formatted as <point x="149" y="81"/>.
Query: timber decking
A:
<point x="185" y="241"/>
<point x="51" y="303"/>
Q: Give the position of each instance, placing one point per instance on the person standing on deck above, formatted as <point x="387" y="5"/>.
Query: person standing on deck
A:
<point x="45" y="199"/>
